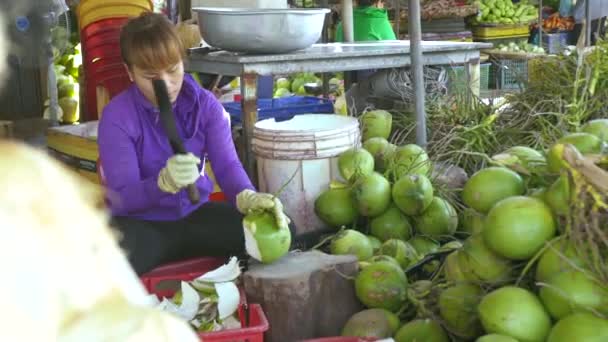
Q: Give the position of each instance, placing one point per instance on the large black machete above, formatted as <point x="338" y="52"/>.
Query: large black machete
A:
<point x="167" y="119"/>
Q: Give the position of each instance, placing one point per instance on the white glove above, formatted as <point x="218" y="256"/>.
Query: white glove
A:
<point x="181" y="170"/>
<point x="248" y="200"/>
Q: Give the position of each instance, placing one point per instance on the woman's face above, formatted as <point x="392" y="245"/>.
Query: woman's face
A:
<point x="173" y="77"/>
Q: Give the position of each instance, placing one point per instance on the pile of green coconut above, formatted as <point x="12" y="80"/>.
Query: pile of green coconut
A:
<point x="496" y="266"/>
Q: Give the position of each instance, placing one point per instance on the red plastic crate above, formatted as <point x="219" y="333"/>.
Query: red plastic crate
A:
<point x="101" y="26"/>
<point x="341" y="339"/>
<point x="191" y="269"/>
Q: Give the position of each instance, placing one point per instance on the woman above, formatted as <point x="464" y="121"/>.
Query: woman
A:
<point x="370" y="22"/>
<point x="146" y="181"/>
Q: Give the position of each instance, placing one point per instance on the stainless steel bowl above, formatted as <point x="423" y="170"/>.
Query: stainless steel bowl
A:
<point x="264" y="31"/>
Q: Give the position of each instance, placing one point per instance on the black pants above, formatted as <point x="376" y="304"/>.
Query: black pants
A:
<point x="215" y="229"/>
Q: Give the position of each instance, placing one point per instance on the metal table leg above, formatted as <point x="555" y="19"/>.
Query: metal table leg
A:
<point x="249" y="105"/>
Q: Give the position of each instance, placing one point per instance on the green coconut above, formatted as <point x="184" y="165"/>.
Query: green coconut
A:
<point x="402" y="251"/>
<point x="352" y="242"/>
<point x="376" y="124"/>
<point x="336" y="207"/>
<point x="354" y="163"/>
<point x="378" y="323"/>
<point x="452" y="270"/>
<point x="490" y="185"/>
<point x="372" y="194"/>
<point x="458" y="308"/>
<point x="481" y="265"/>
<point x="438" y="220"/>
<point x="518" y="227"/>
<point x="375" y="242"/>
<point x="387" y="258"/>
<point x="264" y="240"/>
<point x="413" y="194"/>
<point x="514" y="312"/>
<point x="379" y="148"/>
<point x="557" y="195"/>
<point x="598" y="127"/>
<point x="392" y="224"/>
<point x="572" y="291"/>
<point x="421" y="330"/>
<point x="495" y="338"/>
<point x="382" y="285"/>
<point x="423" y="244"/>
<point x="580" y="327"/>
<point x="560" y="256"/>
<point x="410" y="159"/>
<point x="584" y="143"/>
<point x="471" y="222"/>
<point x="522" y="159"/>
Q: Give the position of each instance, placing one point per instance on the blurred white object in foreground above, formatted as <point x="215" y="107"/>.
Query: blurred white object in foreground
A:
<point x="64" y="277"/>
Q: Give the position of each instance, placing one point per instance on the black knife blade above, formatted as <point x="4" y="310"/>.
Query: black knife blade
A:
<point x="167" y="119"/>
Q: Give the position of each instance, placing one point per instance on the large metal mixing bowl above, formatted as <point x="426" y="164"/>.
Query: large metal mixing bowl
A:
<point x="256" y="30"/>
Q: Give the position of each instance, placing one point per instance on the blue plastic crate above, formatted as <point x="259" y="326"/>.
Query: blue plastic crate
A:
<point x="283" y="108"/>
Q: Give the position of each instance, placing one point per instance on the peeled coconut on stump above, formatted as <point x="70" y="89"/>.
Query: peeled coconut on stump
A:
<point x="382" y="285"/>
<point x="378" y="323"/>
<point x="490" y="185"/>
<point x="376" y="124"/>
<point x="264" y="240"/>
<point x="352" y="242"/>
<point x="392" y="224"/>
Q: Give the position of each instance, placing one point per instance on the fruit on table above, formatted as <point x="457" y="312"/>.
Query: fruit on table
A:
<point x="504" y="12"/>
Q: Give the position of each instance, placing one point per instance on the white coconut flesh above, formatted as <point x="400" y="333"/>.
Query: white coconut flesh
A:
<point x="189" y="305"/>
<point x="224" y="273"/>
<point x="251" y="244"/>
<point x="228" y="299"/>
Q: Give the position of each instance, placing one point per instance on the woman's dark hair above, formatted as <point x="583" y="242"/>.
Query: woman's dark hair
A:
<point x="367" y="3"/>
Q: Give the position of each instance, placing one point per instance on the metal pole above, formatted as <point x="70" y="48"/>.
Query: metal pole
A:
<point x="415" y="34"/>
<point x="347" y="21"/>
<point x="588" y="23"/>
<point x="540" y="23"/>
<point x="397" y="18"/>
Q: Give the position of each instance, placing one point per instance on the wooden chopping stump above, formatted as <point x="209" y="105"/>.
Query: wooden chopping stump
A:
<point x="305" y="294"/>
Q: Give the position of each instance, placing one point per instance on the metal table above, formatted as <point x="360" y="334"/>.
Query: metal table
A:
<point x="333" y="57"/>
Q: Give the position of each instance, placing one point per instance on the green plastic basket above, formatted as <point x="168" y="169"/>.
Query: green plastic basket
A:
<point x="457" y="77"/>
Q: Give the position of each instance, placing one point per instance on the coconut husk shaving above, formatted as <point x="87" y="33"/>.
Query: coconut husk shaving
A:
<point x="587" y="223"/>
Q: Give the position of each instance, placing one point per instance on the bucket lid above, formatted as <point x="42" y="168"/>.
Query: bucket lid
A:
<point x="308" y="123"/>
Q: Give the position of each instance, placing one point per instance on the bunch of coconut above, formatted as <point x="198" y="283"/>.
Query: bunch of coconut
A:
<point x="514" y="226"/>
<point x="388" y="215"/>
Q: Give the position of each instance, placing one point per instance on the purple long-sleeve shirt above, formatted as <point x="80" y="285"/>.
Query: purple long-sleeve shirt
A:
<point x="133" y="148"/>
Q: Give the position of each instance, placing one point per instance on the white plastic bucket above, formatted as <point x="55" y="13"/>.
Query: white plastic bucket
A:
<point x="304" y="150"/>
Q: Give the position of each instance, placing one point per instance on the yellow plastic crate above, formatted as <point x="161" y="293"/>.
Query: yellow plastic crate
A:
<point x="500" y="31"/>
<point x="71" y="145"/>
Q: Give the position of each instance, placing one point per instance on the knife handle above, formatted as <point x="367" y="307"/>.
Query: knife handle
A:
<point x="193" y="194"/>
